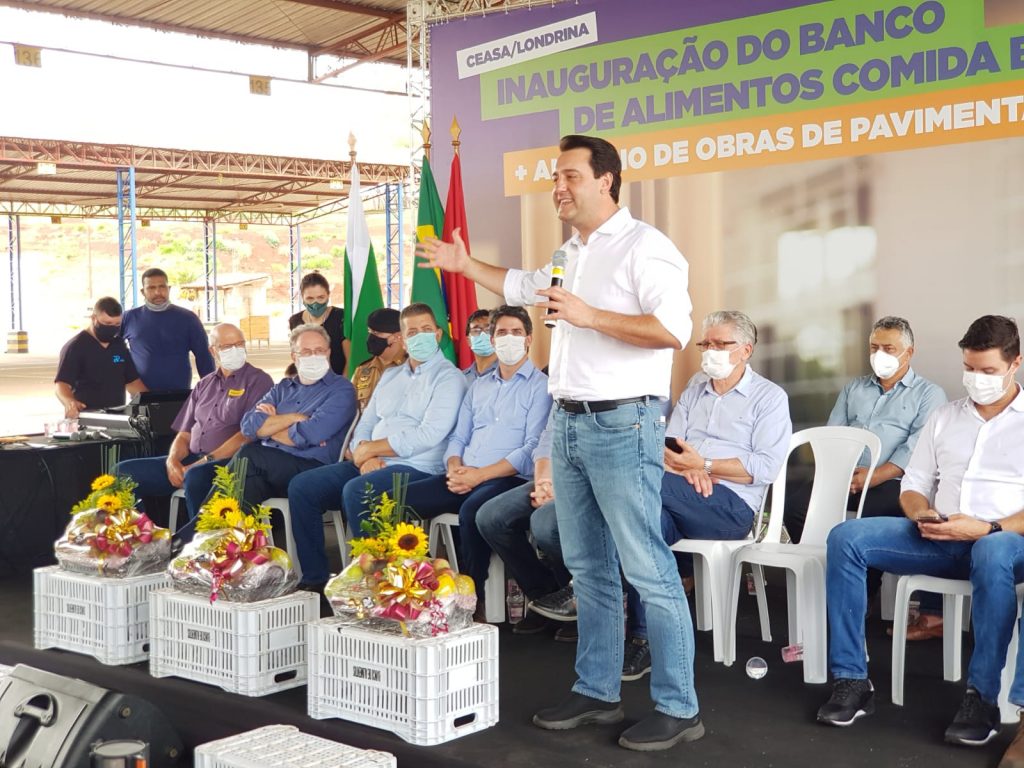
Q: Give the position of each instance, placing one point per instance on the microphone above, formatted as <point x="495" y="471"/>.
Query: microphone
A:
<point x="558" y="260"/>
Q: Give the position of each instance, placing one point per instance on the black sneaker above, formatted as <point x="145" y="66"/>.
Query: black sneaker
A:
<point x="976" y="721"/>
<point x="578" y="710"/>
<point x="658" y="731"/>
<point x="530" y="624"/>
<point x="850" y="699"/>
<point x="568" y="632"/>
<point x="560" y="605"/>
<point x="636" y="661"/>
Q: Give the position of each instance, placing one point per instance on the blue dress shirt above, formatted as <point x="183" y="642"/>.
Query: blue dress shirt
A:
<point x="750" y="422"/>
<point x="502" y="419"/>
<point x="896" y="416"/>
<point x="415" y="411"/>
<point x="330" y="405"/>
<point x="472" y="374"/>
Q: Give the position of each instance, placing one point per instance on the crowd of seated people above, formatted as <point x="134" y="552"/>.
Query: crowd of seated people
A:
<point x="946" y="497"/>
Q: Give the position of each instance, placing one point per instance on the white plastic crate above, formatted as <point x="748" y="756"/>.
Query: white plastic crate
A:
<point x="426" y="691"/>
<point x="247" y="648"/>
<point x="103" y="617"/>
<point x="285" y="746"/>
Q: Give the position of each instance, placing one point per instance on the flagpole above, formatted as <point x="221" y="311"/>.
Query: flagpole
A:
<point x="456" y="132"/>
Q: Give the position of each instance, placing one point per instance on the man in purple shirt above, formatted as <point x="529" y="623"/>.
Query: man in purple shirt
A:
<point x="208" y="425"/>
<point x="301" y="422"/>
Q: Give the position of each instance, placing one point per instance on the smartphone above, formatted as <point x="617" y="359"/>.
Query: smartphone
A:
<point x="672" y="445"/>
<point x="931" y="519"/>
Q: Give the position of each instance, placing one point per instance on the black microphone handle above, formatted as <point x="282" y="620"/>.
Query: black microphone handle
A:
<point x="556" y="282"/>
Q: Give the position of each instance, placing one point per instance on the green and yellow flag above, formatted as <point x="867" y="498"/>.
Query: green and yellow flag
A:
<point x="426" y="283"/>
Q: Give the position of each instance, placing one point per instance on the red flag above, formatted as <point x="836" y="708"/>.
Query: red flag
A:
<point x="460" y="293"/>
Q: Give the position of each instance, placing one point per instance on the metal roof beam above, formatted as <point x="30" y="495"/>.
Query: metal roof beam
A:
<point x="362" y="10"/>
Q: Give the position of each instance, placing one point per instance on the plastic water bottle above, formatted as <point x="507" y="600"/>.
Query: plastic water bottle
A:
<point x="516" y="601"/>
<point x="756" y="668"/>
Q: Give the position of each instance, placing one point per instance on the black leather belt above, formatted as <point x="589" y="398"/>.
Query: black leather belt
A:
<point x="599" y="406"/>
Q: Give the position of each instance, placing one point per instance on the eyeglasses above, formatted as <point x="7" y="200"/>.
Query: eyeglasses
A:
<point x="226" y="347"/>
<point x="703" y="346"/>
<point x="513" y="332"/>
<point x="323" y="351"/>
<point x="476" y="331"/>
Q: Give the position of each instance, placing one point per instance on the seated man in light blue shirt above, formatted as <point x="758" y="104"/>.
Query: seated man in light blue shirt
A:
<point x="726" y="442"/>
<point x="404" y="429"/>
<point x="894" y="403"/>
<point x="491" y="449"/>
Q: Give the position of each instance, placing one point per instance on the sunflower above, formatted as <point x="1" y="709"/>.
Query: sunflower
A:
<point x="103" y="481"/>
<point x="225" y="507"/>
<point x="109" y="503"/>
<point x="408" y="540"/>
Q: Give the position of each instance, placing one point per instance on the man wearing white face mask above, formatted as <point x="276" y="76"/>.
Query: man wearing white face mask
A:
<point x="402" y="431"/>
<point x="963" y="500"/>
<point x="301" y="422"/>
<point x="725" y="443"/>
<point x="491" y="449"/>
<point x="208" y="425"/>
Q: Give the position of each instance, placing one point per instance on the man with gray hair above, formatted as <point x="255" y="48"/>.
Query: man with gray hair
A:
<point x="208" y="425"/>
<point x="725" y="443"/>
<point x="894" y="403"/>
<point x="301" y="422"/>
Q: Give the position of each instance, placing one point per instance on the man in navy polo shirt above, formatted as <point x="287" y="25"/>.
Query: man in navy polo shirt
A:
<point x="208" y="425"/>
<point x="95" y="368"/>
<point x="161" y="335"/>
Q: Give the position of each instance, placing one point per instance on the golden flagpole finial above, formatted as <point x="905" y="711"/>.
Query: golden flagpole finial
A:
<point x="425" y="133"/>
<point x="352" y="146"/>
<point x="456" y="132"/>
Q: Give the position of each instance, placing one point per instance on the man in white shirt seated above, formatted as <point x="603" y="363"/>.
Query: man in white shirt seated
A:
<point x="963" y="497"/>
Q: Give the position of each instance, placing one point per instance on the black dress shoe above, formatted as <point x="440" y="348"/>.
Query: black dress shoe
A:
<point x="659" y="731"/>
<point x="568" y="632"/>
<point x="530" y="624"/>
<point x="578" y="710"/>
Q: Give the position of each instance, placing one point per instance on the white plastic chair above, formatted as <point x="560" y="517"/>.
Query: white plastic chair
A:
<point x="955" y="594"/>
<point x="494" y="590"/>
<point x="711" y="562"/>
<point x="177" y="502"/>
<point x="836" y="453"/>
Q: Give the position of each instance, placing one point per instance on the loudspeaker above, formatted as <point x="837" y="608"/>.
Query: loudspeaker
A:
<point x="50" y="721"/>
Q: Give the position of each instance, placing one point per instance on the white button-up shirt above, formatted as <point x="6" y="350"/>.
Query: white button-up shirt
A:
<point x="628" y="267"/>
<point x="962" y="463"/>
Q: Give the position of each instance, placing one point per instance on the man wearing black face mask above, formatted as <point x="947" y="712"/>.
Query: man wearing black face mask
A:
<point x="95" y="367"/>
<point x="384" y="344"/>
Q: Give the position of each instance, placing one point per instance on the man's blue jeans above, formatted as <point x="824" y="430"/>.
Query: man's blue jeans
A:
<point x="607" y="473"/>
<point x="993" y="563"/>
<point x="430" y="497"/>
<point x="686" y="514"/>
<point x="313" y="492"/>
<point x="504" y="523"/>
<point x="151" y="476"/>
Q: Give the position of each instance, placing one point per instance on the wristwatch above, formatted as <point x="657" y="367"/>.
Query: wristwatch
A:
<point x="208" y="457"/>
<point x="994" y="528"/>
<point x="707" y="466"/>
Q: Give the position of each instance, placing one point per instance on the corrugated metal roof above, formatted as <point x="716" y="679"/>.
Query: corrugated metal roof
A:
<point x="208" y="184"/>
<point x="354" y="28"/>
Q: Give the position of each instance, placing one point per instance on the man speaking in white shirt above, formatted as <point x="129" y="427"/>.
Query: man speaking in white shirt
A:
<point x="621" y="312"/>
<point x="963" y="497"/>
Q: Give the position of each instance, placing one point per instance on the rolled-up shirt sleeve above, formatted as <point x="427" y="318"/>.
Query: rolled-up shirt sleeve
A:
<point x="660" y="274"/>
<point x="934" y="399"/>
<point x="253" y="420"/>
<point x="331" y="417"/>
<point x="770" y="440"/>
<point x="540" y="408"/>
<point x="439" y="417"/>
<point x="921" y="474"/>
<point x="521" y="286"/>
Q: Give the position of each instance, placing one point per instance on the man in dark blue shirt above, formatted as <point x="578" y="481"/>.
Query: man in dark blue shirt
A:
<point x="161" y="335"/>
<point x="95" y="367"/>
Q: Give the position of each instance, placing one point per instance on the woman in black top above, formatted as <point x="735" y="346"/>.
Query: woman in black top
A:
<point x="316" y="296"/>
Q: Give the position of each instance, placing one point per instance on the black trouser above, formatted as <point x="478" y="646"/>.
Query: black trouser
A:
<point x="269" y="471"/>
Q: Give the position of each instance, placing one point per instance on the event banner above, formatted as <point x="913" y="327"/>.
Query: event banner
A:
<point x="694" y="87"/>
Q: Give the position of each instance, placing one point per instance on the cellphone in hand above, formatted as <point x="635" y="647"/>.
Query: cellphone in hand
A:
<point x="672" y="444"/>
<point x="936" y="518"/>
